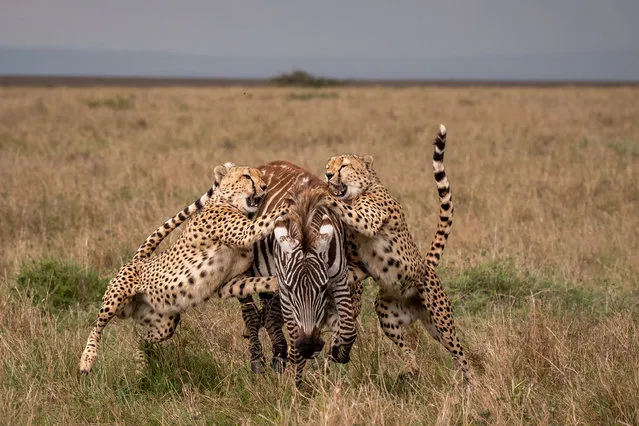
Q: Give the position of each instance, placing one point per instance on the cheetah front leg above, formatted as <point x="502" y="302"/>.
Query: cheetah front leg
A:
<point x="244" y="232"/>
<point x="117" y="296"/>
<point x="363" y="216"/>
<point x="244" y="285"/>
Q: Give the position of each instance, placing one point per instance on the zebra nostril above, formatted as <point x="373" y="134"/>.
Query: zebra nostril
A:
<point x="329" y="175"/>
<point x="308" y="346"/>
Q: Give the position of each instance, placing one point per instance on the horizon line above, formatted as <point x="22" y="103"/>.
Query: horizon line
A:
<point x="82" y="80"/>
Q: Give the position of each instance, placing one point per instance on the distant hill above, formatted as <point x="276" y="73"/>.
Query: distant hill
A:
<point x="620" y="65"/>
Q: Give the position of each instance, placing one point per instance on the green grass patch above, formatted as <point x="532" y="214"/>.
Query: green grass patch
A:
<point x="625" y="148"/>
<point x="56" y="285"/>
<point x="481" y="287"/>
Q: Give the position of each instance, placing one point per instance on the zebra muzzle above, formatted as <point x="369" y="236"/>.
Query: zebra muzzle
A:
<point x="309" y="345"/>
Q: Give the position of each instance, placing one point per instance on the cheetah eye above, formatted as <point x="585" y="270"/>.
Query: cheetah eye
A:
<point x="247" y="176"/>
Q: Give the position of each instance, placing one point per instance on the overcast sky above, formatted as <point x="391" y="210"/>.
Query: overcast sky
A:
<point x="325" y="28"/>
<point x="365" y="28"/>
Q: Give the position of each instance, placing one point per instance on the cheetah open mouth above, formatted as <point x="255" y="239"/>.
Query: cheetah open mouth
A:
<point x="339" y="190"/>
<point x="253" y="201"/>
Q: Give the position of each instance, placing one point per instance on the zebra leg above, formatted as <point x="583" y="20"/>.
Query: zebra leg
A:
<point x="355" y="277"/>
<point x="332" y="322"/>
<point x="341" y="349"/>
<point x="273" y="321"/>
<point x="252" y="323"/>
<point x="243" y="285"/>
<point x="294" y="357"/>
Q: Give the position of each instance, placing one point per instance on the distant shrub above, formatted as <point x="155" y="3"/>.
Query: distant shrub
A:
<point x="119" y="102"/>
<point x="55" y="285"/>
<point x="307" y="96"/>
<point x="304" y="79"/>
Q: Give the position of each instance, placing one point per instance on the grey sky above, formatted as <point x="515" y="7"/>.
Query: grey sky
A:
<point x="337" y="28"/>
<point x="460" y="39"/>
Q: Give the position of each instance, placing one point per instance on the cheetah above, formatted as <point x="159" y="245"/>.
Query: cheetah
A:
<point x="409" y="288"/>
<point x="216" y="246"/>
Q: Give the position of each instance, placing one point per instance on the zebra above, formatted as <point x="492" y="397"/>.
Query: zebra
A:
<point x="305" y="261"/>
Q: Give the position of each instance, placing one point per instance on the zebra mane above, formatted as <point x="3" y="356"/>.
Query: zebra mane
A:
<point x="304" y="205"/>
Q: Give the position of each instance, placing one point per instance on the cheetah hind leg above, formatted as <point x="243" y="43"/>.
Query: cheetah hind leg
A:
<point x="152" y="327"/>
<point x="441" y="326"/>
<point x="393" y="316"/>
<point x="116" y="298"/>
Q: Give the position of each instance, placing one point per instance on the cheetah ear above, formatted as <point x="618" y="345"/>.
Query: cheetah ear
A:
<point x="220" y="172"/>
<point x="285" y="241"/>
<point x="325" y="236"/>
<point x="368" y="160"/>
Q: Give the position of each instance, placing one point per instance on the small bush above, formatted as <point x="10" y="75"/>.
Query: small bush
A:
<point x="310" y="95"/>
<point x="304" y="79"/>
<point x="119" y="102"/>
<point x="56" y="285"/>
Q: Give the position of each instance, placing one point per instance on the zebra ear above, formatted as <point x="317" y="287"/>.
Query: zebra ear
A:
<point x="326" y="232"/>
<point x="286" y="242"/>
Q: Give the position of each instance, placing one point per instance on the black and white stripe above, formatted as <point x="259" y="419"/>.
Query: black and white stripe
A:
<point x="311" y="276"/>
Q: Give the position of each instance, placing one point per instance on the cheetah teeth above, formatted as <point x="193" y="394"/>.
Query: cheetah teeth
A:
<point x="253" y="201"/>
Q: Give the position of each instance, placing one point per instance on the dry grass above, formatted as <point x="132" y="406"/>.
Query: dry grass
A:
<point x="545" y="177"/>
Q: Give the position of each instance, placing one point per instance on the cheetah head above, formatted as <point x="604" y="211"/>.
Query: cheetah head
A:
<point x="243" y="186"/>
<point x="349" y="176"/>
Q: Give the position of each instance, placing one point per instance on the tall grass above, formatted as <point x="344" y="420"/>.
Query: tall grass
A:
<point x="540" y="265"/>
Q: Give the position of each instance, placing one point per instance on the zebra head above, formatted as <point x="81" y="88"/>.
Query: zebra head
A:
<point x="303" y="280"/>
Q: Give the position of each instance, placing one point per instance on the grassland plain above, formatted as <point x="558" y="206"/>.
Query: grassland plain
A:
<point x="541" y="265"/>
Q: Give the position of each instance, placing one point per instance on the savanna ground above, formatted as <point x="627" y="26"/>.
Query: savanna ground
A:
<point x="541" y="265"/>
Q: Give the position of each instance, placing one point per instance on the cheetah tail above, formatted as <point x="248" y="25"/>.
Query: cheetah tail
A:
<point x="445" y="200"/>
<point x="154" y="240"/>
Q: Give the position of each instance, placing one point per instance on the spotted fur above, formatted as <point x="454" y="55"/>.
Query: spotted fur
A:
<point x="381" y="242"/>
<point x="216" y="246"/>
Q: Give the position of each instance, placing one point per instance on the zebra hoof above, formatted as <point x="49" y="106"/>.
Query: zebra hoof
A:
<point x="278" y="365"/>
<point x="257" y="367"/>
<point x="407" y="376"/>
<point x="340" y="354"/>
